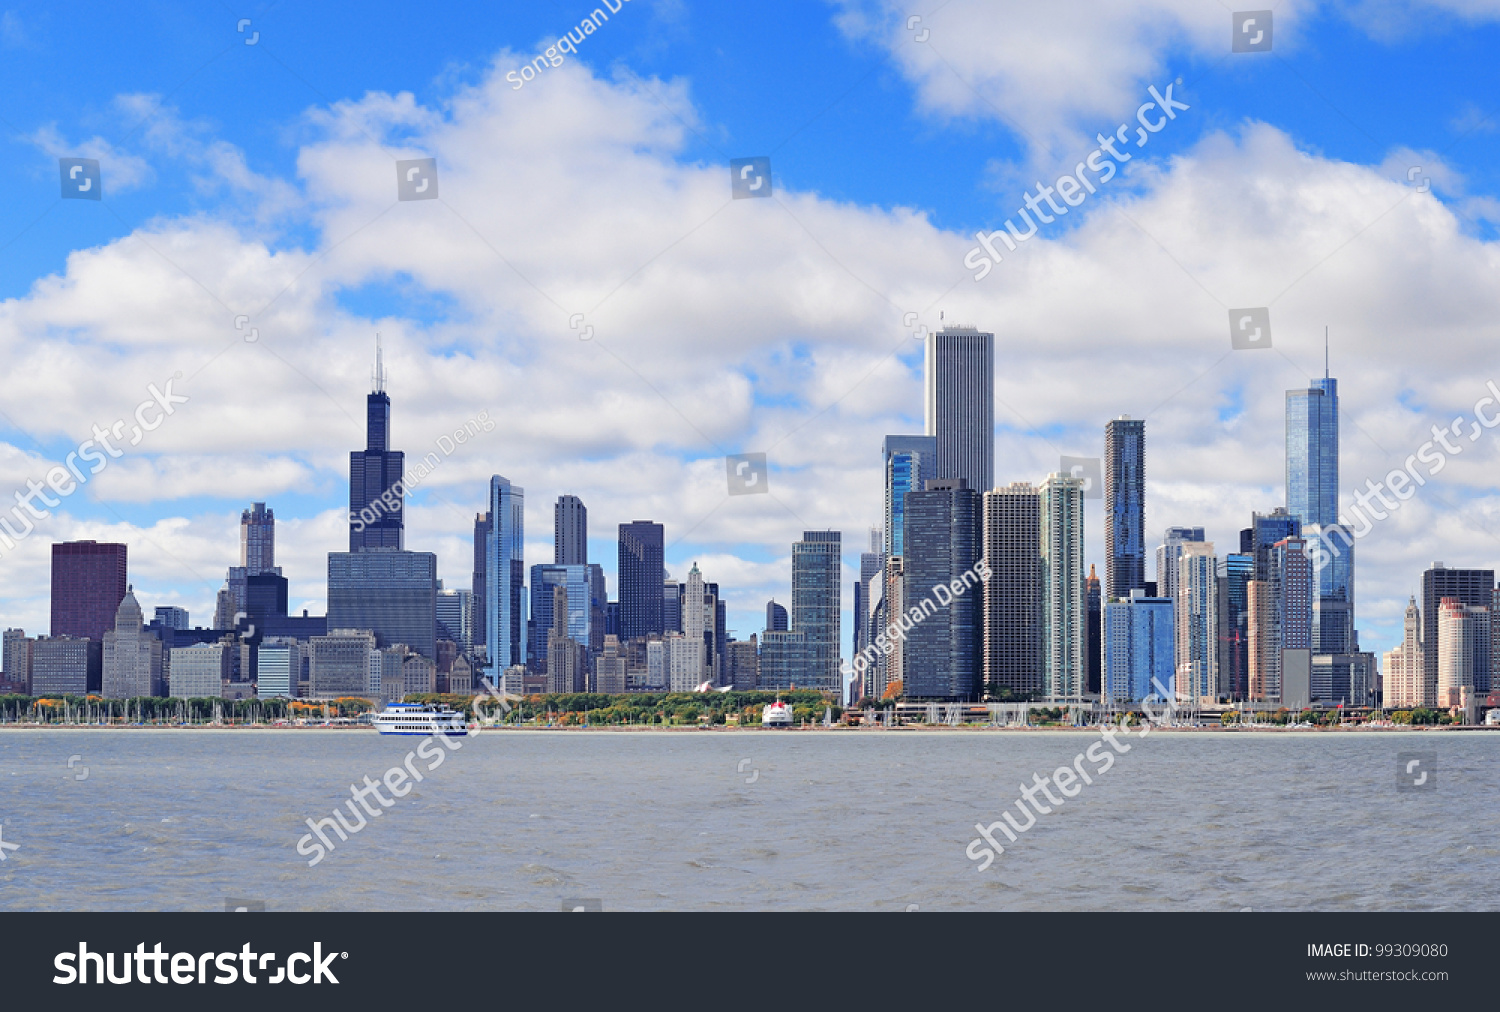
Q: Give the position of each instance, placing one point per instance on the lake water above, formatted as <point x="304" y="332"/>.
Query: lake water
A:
<point x="857" y="820"/>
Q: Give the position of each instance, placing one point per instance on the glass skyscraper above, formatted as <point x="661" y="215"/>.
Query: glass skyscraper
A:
<point x="505" y="577"/>
<point x="641" y="578"/>
<point x="1312" y="496"/>
<point x="909" y="461"/>
<point x="1124" y="506"/>
<point x="375" y="521"/>
<point x="817" y="567"/>
<point x="392" y="594"/>
<point x="944" y="541"/>
<point x="1139" y="648"/>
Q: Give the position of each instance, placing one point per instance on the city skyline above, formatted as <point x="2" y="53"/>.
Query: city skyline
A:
<point x="272" y="417"/>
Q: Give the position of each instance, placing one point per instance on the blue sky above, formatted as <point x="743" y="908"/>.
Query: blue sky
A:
<point x="238" y="145"/>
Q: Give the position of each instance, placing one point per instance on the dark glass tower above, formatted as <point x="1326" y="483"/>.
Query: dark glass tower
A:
<point x="1124" y="507"/>
<point x="88" y="584"/>
<point x="816" y="578"/>
<point x="944" y="541"/>
<point x="570" y="534"/>
<point x="372" y="472"/>
<point x="641" y="577"/>
<point x="1470" y="586"/>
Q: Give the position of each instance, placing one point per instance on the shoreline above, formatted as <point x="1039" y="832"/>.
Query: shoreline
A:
<point x="626" y="729"/>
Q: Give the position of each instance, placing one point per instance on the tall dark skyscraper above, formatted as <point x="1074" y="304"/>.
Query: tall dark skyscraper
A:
<point x="1013" y="596"/>
<point x="817" y="567"/>
<point x="391" y="593"/>
<point x="1124" y="506"/>
<point x="258" y="540"/>
<point x="570" y="532"/>
<point x="477" y="581"/>
<point x="776" y="617"/>
<point x="944" y="541"/>
<point x="1094" y="662"/>
<point x="960" y="404"/>
<point x="88" y="584"/>
<point x="1470" y="586"/>
<point x="641" y="577"/>
<point x="372" y="472"/>
<point x="1236" y="570"/>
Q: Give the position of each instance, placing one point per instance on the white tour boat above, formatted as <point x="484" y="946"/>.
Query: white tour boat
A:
<point x="421" y="718"/>
<point x="777" y="714"/>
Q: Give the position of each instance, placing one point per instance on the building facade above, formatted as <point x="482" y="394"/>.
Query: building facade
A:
<point x="1139" y="649"/>
<point x="1124" y="506"/>
<point x="132" y="657"/>
<point x="641" y="573"/>
<point x="1013" y="628"/>
<point x="1064" y="606"/>
<point x="960" y="404"/>
<point x="88" y="584"/>
<point x="817" y="575"/>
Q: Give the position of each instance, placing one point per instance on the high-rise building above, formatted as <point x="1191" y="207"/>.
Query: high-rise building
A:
<point x="200" y="671"/>
<point x="1124" y="506"/>
<point x="1265" y="531"/>
<point x="776" y="618"/>
<point x="1064" y="607"/>
<point x="171" y="617"/>
<point x="17" y="660"/>
<point x="1139" y="649"/>
<point x="744" y="663"/>
<point x="1474" y="587"/>
<point x="1196" y="622"/>
<point x="871" y="565"/>
<point x="88" y="584"/>
<point x="545" y="579"/>
<point x="641" y="574"/>
<point x="477" y="585"/>
<point x="1094" y="659"/>
<point x="1405" y="672"/>
<point x="505" y="577"/>
<point x="611" y="668"/>
<point x="376" y="519"/>
<point x="340" y="664"/>
<point x="1167" y="554"/>
<point x="1236" y="570"/>
<point x="909" y="461"/>
<point x="278" y="667"/>
<point x="671" y="606"/>
<point x="1312" y="453"/>
<point x="817" y="568"/>
<point x="960" y="404"/>
<point x="132" y="657"/>
<point x="455" y="611"/>
<point x="784" y="660"/>
<point x="944" y="542"/>
<point x="258" y="539"/>
<point x="391" y="593"/>
<point x="697" y="622"/>
<point x="570" y="532"/>
<point x="1281" y="626"/>
<point x="1013" y="643"/>
<point x="1463" y="649"/>
<point x="564" y="671"/>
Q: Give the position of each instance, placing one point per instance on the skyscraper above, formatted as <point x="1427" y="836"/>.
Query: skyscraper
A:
<point x="545" y="579"/>
<point x="390" y="593"/>
<point x="88" y="584"/>
<point x="1013" y="651"/>
<point x="944" y="542"/>
<point x="1405" y="672"/>
<point x="1063" y="602"/>
<point x="960" y="404"/>
<point x="1463" y="649"/>
<point x="1467" y="586"/>
<point x="1236" y="570"/>
<point x="258" y="540"/>
<point x="1167" y="554"/>
<point x="1312" y="496"/>
<point x="866" y="590"/>
<point x="570" y="531"/>
<point x="505" y="577"/>
<point x="372" y="473"/>
<point x="1094" y="658"/>
<point x="477" y="584"/>
<point x="1281" y="626"/>
<point x="1139" y="648"/>
<point x="816" y="576"/>
<point x="1196" y="622"/>
<point x="640" y="576"/>
<point x="1125" y="506"/>
<point x="132" y="658"/>
<point x="776" y="617"/>
<point x="697" y="622"/>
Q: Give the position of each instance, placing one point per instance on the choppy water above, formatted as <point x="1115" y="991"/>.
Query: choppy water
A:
<point x="867" y="820"/>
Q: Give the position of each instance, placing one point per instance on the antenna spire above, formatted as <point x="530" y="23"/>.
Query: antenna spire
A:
<point x="379" y="374"/>
<point x="1325" y="351"/>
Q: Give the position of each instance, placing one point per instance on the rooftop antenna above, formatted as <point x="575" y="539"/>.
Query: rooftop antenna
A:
<point x="379" y="375"/>
<point x="1325" y="351"/>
